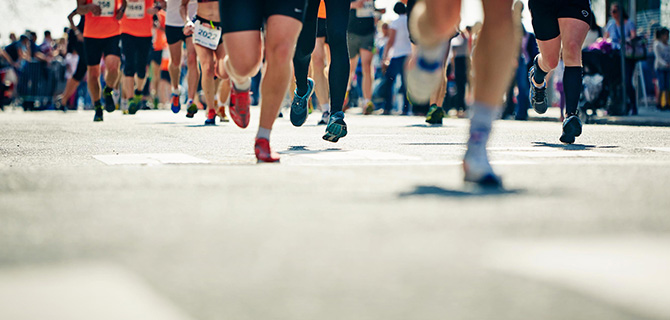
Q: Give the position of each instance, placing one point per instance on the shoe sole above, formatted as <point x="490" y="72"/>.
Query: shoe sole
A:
<point x="435" y="119"/>
<point x="109" y="106"/>
<point x="191" y="111"/>
<point x="334" y="132"/>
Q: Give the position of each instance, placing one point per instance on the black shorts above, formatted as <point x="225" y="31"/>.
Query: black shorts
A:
<point x="546" y="13"/>
<point x="99" y="48"/>
<point x="156" y="56"/>
<point x="175" y="34"/>
<point x="248" y="15"/>
<point x="136" y="54"/>
<point x="165" y="75"/>
<point x="321" y="31"/>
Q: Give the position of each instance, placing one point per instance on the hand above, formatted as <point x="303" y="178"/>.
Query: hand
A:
<point x="385" y="64"/>
<point x="152" y="11"/>
<point x="94" y="9"/>
<point x="357" y="4"/>
<point x="189" y="28"/>
<point x="80" y="37"/>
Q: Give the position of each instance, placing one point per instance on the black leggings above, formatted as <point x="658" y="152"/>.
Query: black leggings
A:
<point x="337" y="19"/>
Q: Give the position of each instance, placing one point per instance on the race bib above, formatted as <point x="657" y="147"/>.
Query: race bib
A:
<point x="135" y="9"/>
<point x="107" y="7"/>
<point x="205" y="36"/>
<point x="367" y="11"/>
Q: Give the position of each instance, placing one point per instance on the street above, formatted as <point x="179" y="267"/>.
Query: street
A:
<point x="179" y="219"/>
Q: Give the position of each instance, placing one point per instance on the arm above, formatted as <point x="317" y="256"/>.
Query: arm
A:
<point x="357" y="4"/>
<point x="121" y="10"/>
<point x="183" y="10"/>
<point x="74" y="28"/>
<point x="389" y="45"/>
<point x="83" y="8"/>
<point x="5" y="55"/>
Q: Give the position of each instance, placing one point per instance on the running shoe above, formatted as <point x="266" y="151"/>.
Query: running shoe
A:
<point x="425" y="73"/>
<point x="108" y="95"/>
<point x="133" y="106"/>
<point x="336" y="128"/>
<point x="478" y="171"/>
<point x="325" y="116"/>
<point x="538" y="96"/>
<point x="435" y="115"/>
<point x="175" y="103"/>
<point x="192" y="110"/>
<point x="211" y="117"/>
<point x="299" y="106"/>
<point x="369" y="108"/>
<point x="239" y="107"/>
<point x="221" y="112"/>
<point x="98" y="114"/>
<point x="572" y="127"/>
<point x="263" y="151"/>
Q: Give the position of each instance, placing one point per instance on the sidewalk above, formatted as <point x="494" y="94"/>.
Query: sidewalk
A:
<point x="647" y="117"/>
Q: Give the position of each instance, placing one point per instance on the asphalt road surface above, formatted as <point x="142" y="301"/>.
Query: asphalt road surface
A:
<point x="155" y="216"/>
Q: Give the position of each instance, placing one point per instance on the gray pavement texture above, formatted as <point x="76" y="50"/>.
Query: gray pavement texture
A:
<point x="377" y="226"/>
<point x="648" y="116"/>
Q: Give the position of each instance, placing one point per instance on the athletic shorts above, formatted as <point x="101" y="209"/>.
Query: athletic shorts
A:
<point x="321" y="31"/>
<point x="174" y="34"/>
<point x="249" y="15"/>
<point x="165" y="75"/>
<point x="136" y="54"/>
<point x="156" y="56"/>
<point x="546" y="13"/>
<point x="358" y="42"/>
<point x="99" y="48"/>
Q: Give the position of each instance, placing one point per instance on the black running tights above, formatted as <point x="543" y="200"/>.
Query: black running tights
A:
<point x="337" y="19"/>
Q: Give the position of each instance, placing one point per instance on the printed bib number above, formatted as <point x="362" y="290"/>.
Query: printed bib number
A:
<point x="107" y="7"/>
<point x="367" y="11"/>
<point x="135" y="9"/>
<point x="205" y="36"/>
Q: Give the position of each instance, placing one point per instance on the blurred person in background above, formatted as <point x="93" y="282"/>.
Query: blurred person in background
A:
<point x="613" y="32"/>
<point x="662" y="67"/>
<point x="397" y="49"/>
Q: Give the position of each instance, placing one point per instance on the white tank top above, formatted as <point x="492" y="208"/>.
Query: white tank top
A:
<point x="173" y="17"/>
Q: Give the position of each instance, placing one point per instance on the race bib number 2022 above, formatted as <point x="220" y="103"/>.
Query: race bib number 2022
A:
<point x="206" y="36"/>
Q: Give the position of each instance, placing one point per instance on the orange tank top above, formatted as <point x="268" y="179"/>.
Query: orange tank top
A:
<point x="160" y="40"/>
<point x="105" y="25"/>
<point x="136" y="21"/>
<point x="322" y="10"/>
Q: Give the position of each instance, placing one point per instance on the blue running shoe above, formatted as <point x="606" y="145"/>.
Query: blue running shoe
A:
<point x="336" y="128"/>
<point x="538" y="96"/>
<point x="299" y="108"/>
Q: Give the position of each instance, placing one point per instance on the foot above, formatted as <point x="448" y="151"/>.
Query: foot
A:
<point x="538" y="95"/>
<point x="133" y="106"/>
<point x="336" y="128"/>
<point x="211" y="118"/>
<point x="239" y="107"/>
<point x="478" y="170"/>
<point x="191" y="110"/>
<point x="435" y="115"/>
<point x="325" y="116"/>
<point x="263" y="151"/>
<point x="369" y="108"/>
<point x="108" y="96"/>
<point x="424" y="73"/>
<point x="221" y="112"/>
<point x="299" y="106"/>
<point x="572" y="127"/>
<point x="98" y="114"/>
<point x="175" y="104"/>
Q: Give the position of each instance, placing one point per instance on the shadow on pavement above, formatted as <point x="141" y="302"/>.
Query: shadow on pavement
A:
<point x="304" y="150"/>
<point x="473" y="192"/>
<point x="578" y="147"/>
<point x="425" y="125"/>
<point x="434" y="144"/>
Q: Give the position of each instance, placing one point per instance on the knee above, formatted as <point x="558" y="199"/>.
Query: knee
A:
<point x="112" y="65"/>
<point x="280" y="52"/>
<point x="549" y="62"/>
<point x="244" y="65"/>
<point x="207" y="70"/>
<point x="192" y="60"/>
<point x="175" y="64"/>
<point x="572" y="53"/>
<point x="93" y="72"/>
<point x="366" y="66"/>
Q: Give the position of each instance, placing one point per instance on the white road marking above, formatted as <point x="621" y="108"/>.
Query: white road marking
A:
<point x="149" y="159"/>
<point x="632" y="272"/>
<point x="661" y="149"/>
<point x="80" y="292"/>
<point x="359" y="155"/>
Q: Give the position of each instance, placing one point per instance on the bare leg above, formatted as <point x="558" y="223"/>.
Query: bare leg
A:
<point x="94" y="87"/>
<point x="112" y="66"/>
<point x="206" y="57"/>
<point x="319" y="72"/>
<point x="175" y="64"/>
<point x="192" y="64"/>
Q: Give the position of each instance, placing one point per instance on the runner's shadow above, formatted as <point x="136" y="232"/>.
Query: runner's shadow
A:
<point x="434" y="144"/>
<point x="469" y="192"/>
<point x="304" y="150"/>
<point x="576" y="147"/>
<point x="425" y="125"/>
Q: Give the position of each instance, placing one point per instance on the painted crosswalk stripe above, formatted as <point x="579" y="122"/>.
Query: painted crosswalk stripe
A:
<point x="149" y="159"/>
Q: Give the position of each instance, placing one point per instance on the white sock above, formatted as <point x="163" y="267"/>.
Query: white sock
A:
<point x="124" y="104"/>
<point x="263" y="133"/>
<point x="189" y="102"/>
<point x="365" y="102"/>
<point x="175" y="91"/>
<point x="243" y="86"/>
<point x="325" y="107"/>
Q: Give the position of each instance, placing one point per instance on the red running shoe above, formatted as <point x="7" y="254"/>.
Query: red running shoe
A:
<point x="263" y="151"/>
<point x="239" y="107"/>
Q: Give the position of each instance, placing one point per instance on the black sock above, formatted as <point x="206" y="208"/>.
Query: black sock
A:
<point x="107" y="89"/>
<point x="572" y="86"/>
<point x="138" y="92"/>
<point x="539" y="73"/>
<point x="97" y="104"/>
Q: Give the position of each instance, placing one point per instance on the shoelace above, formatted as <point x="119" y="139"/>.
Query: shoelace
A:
<point x="539" y="94"/>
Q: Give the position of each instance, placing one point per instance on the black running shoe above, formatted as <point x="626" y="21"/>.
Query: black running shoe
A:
<point x="336" y="128"/>
<point x="572" y="127"/>
<point x="133" y="107"/>
<point x="98" y="114"/>
<point x="108" y="97"/>
<point x="435" y="115"/>
<point x="538" y="96"/>
<point x="299" y="106"/>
